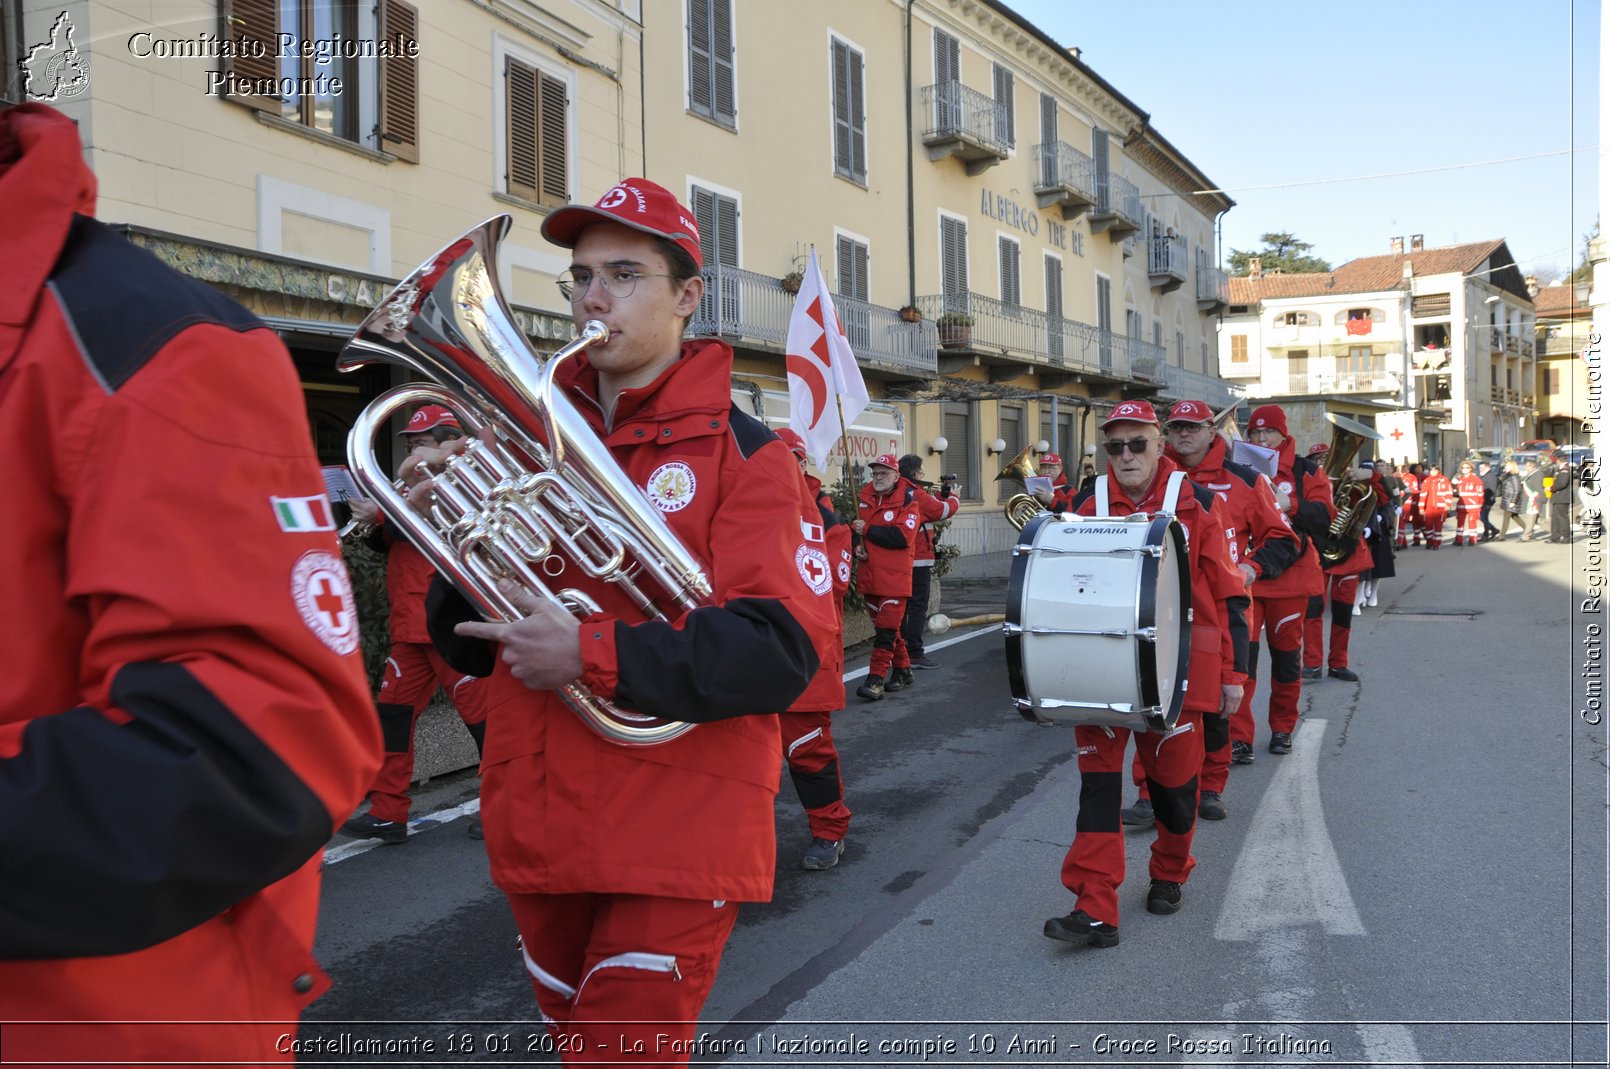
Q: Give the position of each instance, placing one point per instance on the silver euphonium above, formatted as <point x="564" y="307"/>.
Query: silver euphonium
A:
<point x="535" y="496"/>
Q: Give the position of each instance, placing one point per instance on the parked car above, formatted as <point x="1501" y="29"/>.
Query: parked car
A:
<point x="1575" y="455"/>
<point x="1540" y="445"/>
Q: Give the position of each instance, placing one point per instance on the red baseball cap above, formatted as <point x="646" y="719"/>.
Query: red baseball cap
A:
<point x="1132" y="412"/>
<point x="1272" y="416"/>
<point x="886" y="460"/>
<point x="1050" y="458"/>
<point x="1318" y="449"/>
<point x="428" y="418"/>
<point x="634" y="202"/>
<point x="1190" y="412"/>
<point x="793" y="441"/>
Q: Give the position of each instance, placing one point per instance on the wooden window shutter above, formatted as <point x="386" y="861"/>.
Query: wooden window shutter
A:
<point x="947" y="58"/>
<point x="1006" y="117"/>
<point x="1098" y="153"/>
<point x="857" y="115"/>
<point x="953" y="263"/>
<point x="256" y="21"/>
<point x="399" y="83"/>
<point x="520" y="87"/>
<point x="700" y="95"/>
<point x="1011" y="277"/>
<point x="852" y="268"/>
<point x="704" y="213"/>
<point x="727" y="231"/>
<point x="1053" y="287"/>
<point x="841" y="108"/>
<point x="553" y="186"/>
<point x="725" y="100"/>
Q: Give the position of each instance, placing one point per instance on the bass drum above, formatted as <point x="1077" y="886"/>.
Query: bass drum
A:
<point x="1098" y="621"/>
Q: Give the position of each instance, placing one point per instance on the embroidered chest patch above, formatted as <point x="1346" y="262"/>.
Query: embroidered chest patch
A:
<point x="814" y="569"/>
<point x="671" y="487"/>
<point x="323" y="596"/>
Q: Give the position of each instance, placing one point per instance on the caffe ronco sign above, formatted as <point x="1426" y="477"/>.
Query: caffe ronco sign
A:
<point x="866" y="444"/>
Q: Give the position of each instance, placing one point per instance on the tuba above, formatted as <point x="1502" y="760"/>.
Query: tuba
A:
<point x="1021" y="508"/>
<point x="535" y="497"/>
<point x="1354" y="498"/>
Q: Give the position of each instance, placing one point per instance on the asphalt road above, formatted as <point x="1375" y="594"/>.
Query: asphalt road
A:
<point x="1423" y="881"/>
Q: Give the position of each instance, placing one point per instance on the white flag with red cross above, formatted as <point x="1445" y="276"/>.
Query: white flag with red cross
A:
<point x="823" y="377"/>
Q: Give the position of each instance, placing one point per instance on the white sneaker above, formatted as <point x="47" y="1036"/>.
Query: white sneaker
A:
<point x="1370" y="601"/>
<point x="1357" y="611"/>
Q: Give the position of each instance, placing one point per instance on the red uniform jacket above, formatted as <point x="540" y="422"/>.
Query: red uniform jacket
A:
<point x="890" y="539"/>
<point x="1436" y="495"/>
<point x="1260" y="536"/>
<point x="1218" y="596"/>
<point x="930" y="510"/>
<point x="1470" y="491"/>
<point x="1411" y="491"/>
<point x="1310" y="491"/>
<point x="568" y="811"/>
<point x="826" y="690"/>
<point x="408" y="576"/>
<point x="184" y="716"/>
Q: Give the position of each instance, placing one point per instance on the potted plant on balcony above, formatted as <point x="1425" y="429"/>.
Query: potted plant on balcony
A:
<point x="791" y="281"/>
<point x="911" y="314"/>
<point x="955" y="330"/>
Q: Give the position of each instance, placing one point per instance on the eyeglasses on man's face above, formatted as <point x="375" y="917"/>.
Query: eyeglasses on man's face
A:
<point x="1137" y="446"/>
<point x="1185" y="428"/>
<point x="618" y="282"/>
<point x="1263" y="432"/>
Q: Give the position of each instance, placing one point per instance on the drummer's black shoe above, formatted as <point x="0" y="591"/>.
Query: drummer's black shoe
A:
<point x="1241" y="753"/>
<point x="1164" y="897"/>
<point x="871" y="690"/>
<point x="1280" y="742"/>
<point x="1081" y="929"/>
<point x="1346" y="675"/>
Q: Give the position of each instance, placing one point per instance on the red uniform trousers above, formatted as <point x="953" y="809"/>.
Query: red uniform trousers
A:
<point x="1343" y="595"/>
<point x="813" y="765"/>
<point x="1215" y="757"/>
<point x="620" y="978"/>
<point x="1094" y="865"/>
<point x="1282" y="618"/>
<point x="888" y="645"/>
<point x="1466" y="524"/>
<point x="413" y="672"/>
<point x="1431" y="523"/>
<point x="1410" y="520"/>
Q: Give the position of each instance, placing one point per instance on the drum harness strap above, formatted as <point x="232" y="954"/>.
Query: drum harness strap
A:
<point x="1171" y="497"/>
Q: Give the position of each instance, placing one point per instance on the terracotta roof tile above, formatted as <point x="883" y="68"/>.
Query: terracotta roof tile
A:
<point x="1367" y="274"/>
<point x="1559" y="301"/>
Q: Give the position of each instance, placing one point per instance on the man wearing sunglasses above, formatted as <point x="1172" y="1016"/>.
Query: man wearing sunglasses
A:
<point x="1280" y="603"/>
<point x="1138" y="480"/>
<point x="1262" y="544"/>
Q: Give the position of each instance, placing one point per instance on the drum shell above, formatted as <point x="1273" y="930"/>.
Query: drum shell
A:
<point x="1124" y="576"/>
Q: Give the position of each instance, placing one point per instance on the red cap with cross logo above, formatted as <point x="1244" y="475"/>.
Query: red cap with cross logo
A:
<point x="1131" y="412"/>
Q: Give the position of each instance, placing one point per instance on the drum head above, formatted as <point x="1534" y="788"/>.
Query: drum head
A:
<point x="1165" y="604"/>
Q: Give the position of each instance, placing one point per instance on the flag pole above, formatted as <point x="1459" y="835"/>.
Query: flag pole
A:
<point x="844" y="439"/>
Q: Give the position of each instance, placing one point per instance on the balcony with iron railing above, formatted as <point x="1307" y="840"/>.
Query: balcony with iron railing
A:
<point x="962" y="122"/>
<point x="1066" y="178"/>
<point x="1118" y="209"/>
<point x="983" y="326"/>
<point x="1512" y="342"/>
<point x="749" y="307"/>
<point x="1212" y="288"/>
<point x="1331" y="383"/>
<point x="1181" y="384"/>
<point x="1166" y="262"/>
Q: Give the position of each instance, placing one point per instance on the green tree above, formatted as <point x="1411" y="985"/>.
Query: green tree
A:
<point x="1584" y="267"/>
<point x="1282" y="253"/>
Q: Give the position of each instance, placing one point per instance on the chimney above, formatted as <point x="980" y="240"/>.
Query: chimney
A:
<point x="1397" y="246"/>
<point x="1255" y="267"/>
<point x="1417" y="242"/>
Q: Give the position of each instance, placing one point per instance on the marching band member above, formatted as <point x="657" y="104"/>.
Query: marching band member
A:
<point x="1140" y="479"/>
<point x="1410" y="517"/>
<point x="885" y="544"/>
<point x="807" y="726"/>
<point x="184" y="715"/>
<point x="1342" y="584"/>
<point x="1468" y="514"/>
<point x="931" y="509"/>
<point x="1304" y="494"/>
<point x="624" y="865"/>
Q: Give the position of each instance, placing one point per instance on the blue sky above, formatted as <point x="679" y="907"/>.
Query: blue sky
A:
<point x="1310" y="97"/>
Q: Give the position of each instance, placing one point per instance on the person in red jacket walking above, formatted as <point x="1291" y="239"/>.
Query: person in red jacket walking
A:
<point x="931" y="509"/>
<point x="624" y="865"/>
<point x="1436" y="498"/>
<point x="1410" y="517"/>
<point x="807" y="726"/>
<point x="1470" y="493"/>
<point x="1141" y="479"/>
<point x="1262" y="546"/>
<point x="414" y="669"/>
<point x="1303" y="494"/>
<point x="885" y="544"/>
<point x="184" y="715"/>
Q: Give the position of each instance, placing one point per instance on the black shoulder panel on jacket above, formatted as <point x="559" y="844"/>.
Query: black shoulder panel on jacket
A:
<point x="748" y="432"/>
<point x="1242" y="472"/>
<point x="123" y="304"/>
<point x="1204" y="497"/>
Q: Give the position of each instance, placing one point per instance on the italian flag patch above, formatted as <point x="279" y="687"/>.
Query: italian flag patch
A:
<point x="300" y="514"/>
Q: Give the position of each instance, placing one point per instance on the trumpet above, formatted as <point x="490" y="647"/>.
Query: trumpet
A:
<point x="535" y="496"/>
